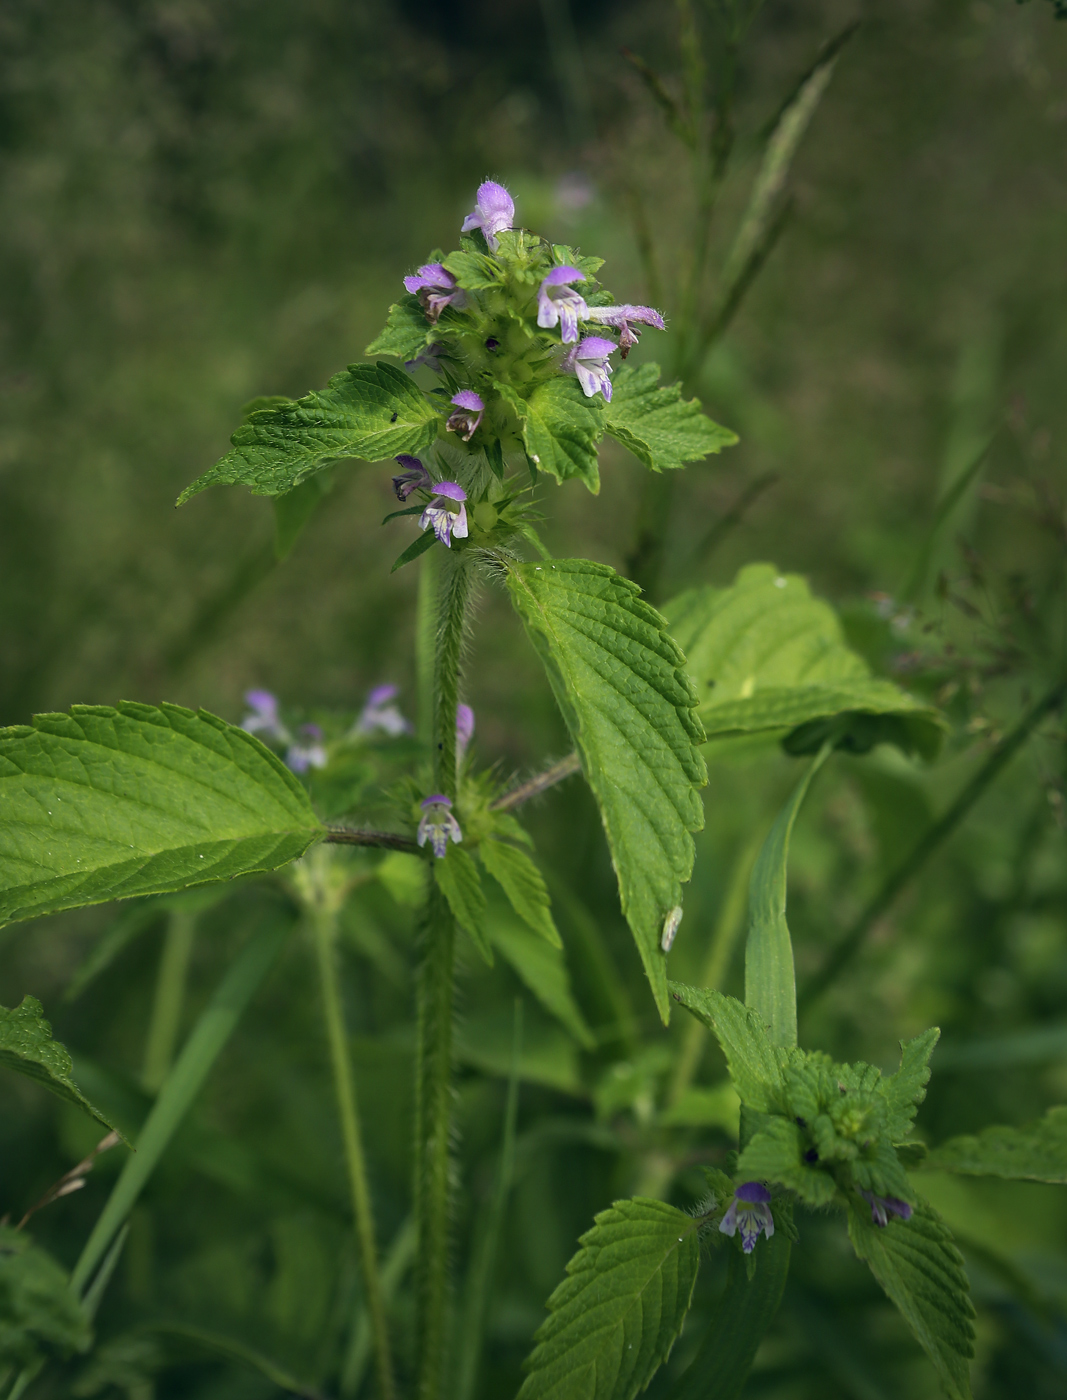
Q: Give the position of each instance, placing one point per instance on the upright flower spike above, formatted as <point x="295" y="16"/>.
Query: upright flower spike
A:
<point x="414" y="477"/>
<point x="264" y="719"/>
<point x="381" y="713"/>
<point x="589" y="361"/>
<point x="884" y="1206"/>
<point x="435" y="288"/>
<point x="464" y="730"/>
<point x="446" y="513"/>
<point x="308" y="752"/>
<point x="749" y="1212"/>
<point x="558" y="304"/>
<point x="625" y="319"/>
<point x="466" y="415"/>
<point x="438" y="825"/>
<point x="493" y="212"/>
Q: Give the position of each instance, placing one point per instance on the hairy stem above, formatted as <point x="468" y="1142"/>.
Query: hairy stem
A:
<point x="169" y="999"/>
<point x="456" y="584"/>
<point x="931" y="841"/>
<point x="539" y="783"/>
<point x="324" y="927"/>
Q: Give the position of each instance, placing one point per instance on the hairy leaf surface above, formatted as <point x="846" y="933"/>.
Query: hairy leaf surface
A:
<point x="406" y="331"/>
<point x="620" y="683"/>
<point x="26" y="1046"/>
<point x="523" y="884"/>
<point x="776" y="1153"/>
<point x="755" y="1064"/>
<point x="766" y="655"/>
<point x="367" y="411"/>
<point x="614" y="1319"/>
<point x="662" y="430"/>
<point x="459" y="881"/>
<point x="561" y="429"/>
<point x="921" y="1270"/>
<point x="106" y="803"/>
<point x="1037" y="1152"/>
<point x="906" y="1089"/>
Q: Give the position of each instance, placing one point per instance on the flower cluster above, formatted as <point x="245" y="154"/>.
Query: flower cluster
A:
<point x="306" y="749"/>
<point x="749" y="1212"/>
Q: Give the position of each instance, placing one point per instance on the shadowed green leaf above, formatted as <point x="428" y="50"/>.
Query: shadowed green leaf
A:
<point x="1037" y="1152"/>
<point x="776" y="1154"/>
<point x="458" y="879"/>
<point x="921" y="1270"/>
<point x="26" y="1046"/>
<point x="905" y="1090"/>
<point x="37" y="1308"/>
<point x="106" y="803"/>
<point x="523" y="884"/>
<point x="755" y="1064"/>
<point x="541" y="966"/>
<point x="406" y="331"/>
<point x="367" y="411"/>
<point x="561" y="428"/>
<point x="620" y="683"/>
<point x="614" y="1319"/>
<point x="662" y="430"/>
<point x="766" y="655"/>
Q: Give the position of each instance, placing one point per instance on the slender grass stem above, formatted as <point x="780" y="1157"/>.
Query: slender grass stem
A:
<point x="169" y="1000"/>
<point x="324" y="927"/>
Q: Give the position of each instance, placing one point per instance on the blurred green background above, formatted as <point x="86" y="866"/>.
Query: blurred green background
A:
<point x="201" y="203"/>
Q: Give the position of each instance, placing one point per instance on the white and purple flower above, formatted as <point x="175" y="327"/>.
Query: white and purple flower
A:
<point x="308" y="751"/>
<point x="264" y="719"/>
<point x="466" y="415"/>
<point x="625" y="319"/>
<point x="435" y="288"/>
<point x="414" y="477"/>
<point x="381" y="713"/>
<point x="558" y="304"/>
<point x="464" y="730"/>
<point x="589" y="361"/>
<point x="446" y="513"/>
<point x="493" y="212"/>
<point x="882" y="1207"/>
<point x="438" y="825"/>
<point x="749" y="1212"/>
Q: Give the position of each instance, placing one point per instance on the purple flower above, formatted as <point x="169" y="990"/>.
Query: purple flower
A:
<point x="436" y="288"/>
<point x="414" y="477"/>
<point x="750" y="1213"/>
<point x="308" y="754"/>
<point x="380" y="713"/>
<point x="467" y="414"/>
<point x="438" y="825"/>
<point x="430" y="357"/>
<point x="264" y="718"/>
<point x="464" y="730"/>
<point x="441" y="513"/>
<point x="493" y="212"/>
<point x="624" y="319"/>
<point x="884" y="1206"/>
<point x="589" y="361"/>
<point x="559" y="304"/>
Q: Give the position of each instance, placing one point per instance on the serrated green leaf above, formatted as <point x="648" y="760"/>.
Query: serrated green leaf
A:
<point x="523" y="884"/>
<point x="106" y="803"/>
<point x="662" y="430"/>
<point x="906" y="1089"/>
<point x="614" y="1319"/>
<point x="755" y="1064"/>
<point x="473" y="271"/>
<point x="766" y="655"/>
<point x="26" y="1046"/>
<point x="776" y="1154"/>
<point x="921" y="1270"/>
<point x="541" y="966"/>
<point x="564" y="256"/>
<point x="368" y="411"/>
<point x="561" y="428"/>
<point x="618" y="679"/>
<point x="406" y="331"/>
<point x="770" y="978"/>
<point x="37" y="1307"/>
<point x="1037" y="1152"/>
<point x="458" y="880"/>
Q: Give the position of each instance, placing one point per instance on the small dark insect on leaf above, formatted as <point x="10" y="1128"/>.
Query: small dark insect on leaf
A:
<point x="394" y="418"/>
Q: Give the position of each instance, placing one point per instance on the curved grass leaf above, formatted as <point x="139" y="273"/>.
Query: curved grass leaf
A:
<point x="106" y="803"/>
<point x="26" y="1046"/>
<point x="662" y="430"/>
<point x="1037" y="1152"/>
<point x="921" y="1270"/>
<point x="560" y="428"/>
<point x="628" y="703"/>
<point x="755" y="1064"/>
<point x="766" y="655"/>
<point x="367" y="411"/>
<point x="614" y="1319"/>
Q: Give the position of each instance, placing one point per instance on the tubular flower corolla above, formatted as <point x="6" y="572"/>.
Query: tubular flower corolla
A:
<point x="884" y="1206"/>
<point x="438" y="825"/>
<point x="414" y="477"/>
<point x="435" y="288"/>
<point x="749" y="1212"/>
<point x="589" y="361"/>
<point x="380" y="713"/>
<point x="464" y="730"/>
<point x="493" y="212"/>
<point x="264" y="719"/>
<point x="559" y="304"/>
<point x="442" y="513"/>
<point x="308" y="753"/>
<point x="466" y="415"/>
<point x="625" y="319"/>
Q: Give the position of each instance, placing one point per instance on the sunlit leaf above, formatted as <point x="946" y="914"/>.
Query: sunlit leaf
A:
<point x="662" y="430"/>
<point x="560" y="428"/>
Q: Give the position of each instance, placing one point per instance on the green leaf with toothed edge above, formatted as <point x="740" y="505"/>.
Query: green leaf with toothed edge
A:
<point x="459" y="881"/>
<point x="560" y="428"/>
<point x="662" y="430"/>
<point x="756" y="1065"/>
<point x="905" y="1090"/>
<point x="921" y="1270"/>
<point x="104" y="803"/>
<point x="620" y="683"/>
<point x="406" y="331"/>
<point x="367" y="411"/>
<point x="613" y="1321"/>
<point x="27" y="1047"/>
<point x="523" y="884"/>
<point x="1037" y="1152"/>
